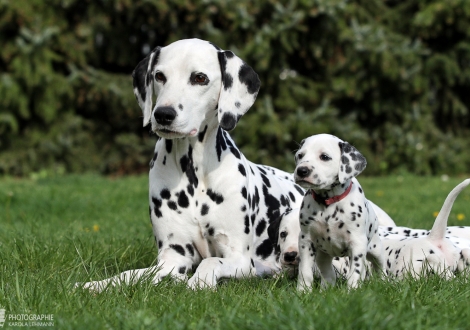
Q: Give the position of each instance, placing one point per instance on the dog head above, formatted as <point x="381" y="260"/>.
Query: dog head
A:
<point x="284" y="234"/>
<point x="323" y="161"/>
<point x="194" y="81"/>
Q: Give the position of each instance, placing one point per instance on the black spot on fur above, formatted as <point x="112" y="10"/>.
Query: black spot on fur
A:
<point x="160" y="244"/>
<point x="178" y="248"/>
<point x="249" y="77"/>
<point x="157" y="204"/>
<point x="201" y="134"/>
<point x="204" y="209"/>
<point x="265" y="249"/>
<point x="183" y="200"/>
<point x="247" y="224"/>
<point x="218" y="198"/>
<point x="272" y="203"/>
<point x="241" y="169"/>
<point x="154" y="158"/>
<point x="190" y="249"/>
<point x="244" y="193"/>
<point x="228" y="121"/>
<point x="211" y="231"/>
<point x="165" y="194"/>
<point x="182" y="270"/>
<point x="266" y="180"/>
<point x="260" y="227"/>
<point x="220" y="143"/>
<point x="168" y="145"/>
<point x="172" y="205"/>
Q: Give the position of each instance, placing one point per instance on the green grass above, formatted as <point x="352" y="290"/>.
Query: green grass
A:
<point x="58" y="231"/>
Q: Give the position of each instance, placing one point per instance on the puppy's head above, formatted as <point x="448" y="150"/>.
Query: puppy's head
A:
<point x="284" y="234"/>
<point x="195" y="83"/>
<point x="324" y="161"/>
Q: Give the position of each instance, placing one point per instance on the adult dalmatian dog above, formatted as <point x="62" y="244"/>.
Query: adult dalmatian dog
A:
<point x="336" y="220"/>
<point x="209" y="206"/>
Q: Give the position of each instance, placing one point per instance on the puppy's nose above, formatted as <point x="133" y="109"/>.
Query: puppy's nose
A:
<point x="165" y="115"/>
<point x="303" y="171"/>
<point x="290" y="256"/>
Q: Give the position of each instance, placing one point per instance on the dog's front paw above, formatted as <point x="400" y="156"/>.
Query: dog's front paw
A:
<point x="92" y="287"/>
<point x="199" y="283"/>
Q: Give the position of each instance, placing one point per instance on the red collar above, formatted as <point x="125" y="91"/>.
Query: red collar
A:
<point x="331" y="200"/>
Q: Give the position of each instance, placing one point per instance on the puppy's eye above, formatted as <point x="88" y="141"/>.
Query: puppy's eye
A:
<point x="283" y="234"/>
<point x="325" y="157"/>
<point x="159" y="76"/>
<point x="198" y="79"/>
<point x="298" y="157"/>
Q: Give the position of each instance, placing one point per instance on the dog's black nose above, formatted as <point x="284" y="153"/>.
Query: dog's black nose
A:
<point x="303" y="171"/>
<point x="290" y="256"/>
<point x="165" y="115"/>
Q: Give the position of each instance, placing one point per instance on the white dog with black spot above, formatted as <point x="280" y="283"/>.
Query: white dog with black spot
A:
<point x="435" y="252"/>
<point x="336" y="219"/>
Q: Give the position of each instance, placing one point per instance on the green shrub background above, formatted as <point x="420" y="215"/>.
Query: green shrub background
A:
<point x="391" y="77"/>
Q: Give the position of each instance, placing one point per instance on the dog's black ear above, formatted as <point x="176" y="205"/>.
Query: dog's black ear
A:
<point x="273" y="230"/>
<point x="240" y="86"/>
<point x="143" y="83"/>
<point x="352" y="162"/>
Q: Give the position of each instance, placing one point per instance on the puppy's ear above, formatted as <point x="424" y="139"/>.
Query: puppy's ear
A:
<point x="240" y="86"/>
<point x="273" y="230"/>
<point x="352" y="162"/>
<point x="143" y="83"/>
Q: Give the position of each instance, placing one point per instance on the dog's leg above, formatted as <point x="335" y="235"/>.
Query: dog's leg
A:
<point x="171" y="262"/>
<point x="357" y="259"/>
<point x="325" y="265"/>
<point x="210" y="270"/>
<point x="464" y="261"/>
<point x="375" y="254"/>
<point x="307" y="267"/>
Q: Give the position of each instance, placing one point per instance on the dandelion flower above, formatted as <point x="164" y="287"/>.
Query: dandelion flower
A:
<point x="460" y="216"/>
<point x="380" y="193"/>
<point x="435" y="214"/>
<point x="96" y="227"/>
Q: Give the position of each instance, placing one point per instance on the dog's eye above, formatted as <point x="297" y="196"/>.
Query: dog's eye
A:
<point x="325" y="157"/>
<point x="159" y="76"/>
<point x="298" y="157"/>
<point x="283" y="234"/>
<point x="198" y="79"/>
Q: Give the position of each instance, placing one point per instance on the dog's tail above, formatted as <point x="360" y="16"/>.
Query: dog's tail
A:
<point x="438" y="230"/>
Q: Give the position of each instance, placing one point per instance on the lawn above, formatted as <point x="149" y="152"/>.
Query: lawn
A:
<point x="58" y="231"/>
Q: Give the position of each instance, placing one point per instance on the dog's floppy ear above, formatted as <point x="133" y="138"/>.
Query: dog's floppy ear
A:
<point x="273" y="230"/>
<point x="143" y="83"/>
<point x="240" y="86"/>
<point x="352" y="162"/>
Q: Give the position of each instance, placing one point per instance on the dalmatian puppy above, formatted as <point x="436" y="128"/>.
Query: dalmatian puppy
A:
<point x="209" y="206"/>
<point x="414" y="255"/>
<point x="284" y="234"/>
<point x="336" y="220"/>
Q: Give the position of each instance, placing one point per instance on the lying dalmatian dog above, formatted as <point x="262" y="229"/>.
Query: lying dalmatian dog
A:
<point x="452" y="231"/>
<point x="209" y="206"/>
<point x="336" y="219"/>
<point x="415" y="255"/>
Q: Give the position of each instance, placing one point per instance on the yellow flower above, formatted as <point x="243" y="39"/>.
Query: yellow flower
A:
<point x="435" y="214"/>
<point x="96" y="227"/>
<point x="460" y="216"/>
<point x="380" y="193"/>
